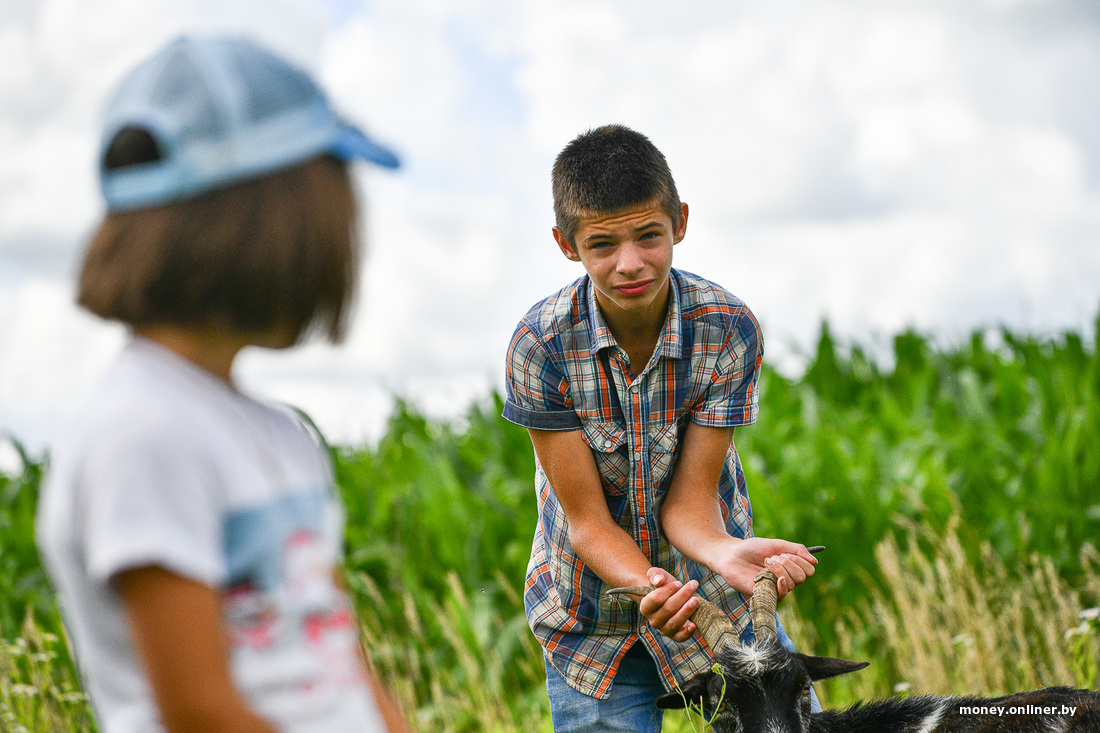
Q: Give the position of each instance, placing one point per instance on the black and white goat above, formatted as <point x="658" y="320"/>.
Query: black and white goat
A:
<point x="763" y="688"/>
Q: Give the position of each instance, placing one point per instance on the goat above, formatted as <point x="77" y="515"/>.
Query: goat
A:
<point x="763" y="688"/>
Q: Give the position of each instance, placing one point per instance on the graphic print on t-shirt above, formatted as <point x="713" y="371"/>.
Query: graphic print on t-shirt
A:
<point x="292" y="630"/>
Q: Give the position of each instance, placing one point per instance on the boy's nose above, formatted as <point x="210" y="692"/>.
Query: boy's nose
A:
<point x="630" y="259"/>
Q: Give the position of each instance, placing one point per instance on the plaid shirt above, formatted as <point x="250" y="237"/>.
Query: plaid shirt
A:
<point x="565" y="372"/>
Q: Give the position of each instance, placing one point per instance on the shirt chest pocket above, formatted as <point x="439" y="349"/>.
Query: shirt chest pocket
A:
<point x="663" y="441"/>
<point x="608" y="443"/>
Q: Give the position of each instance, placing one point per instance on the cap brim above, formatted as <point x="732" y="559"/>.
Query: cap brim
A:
<point x="352" y="144"/>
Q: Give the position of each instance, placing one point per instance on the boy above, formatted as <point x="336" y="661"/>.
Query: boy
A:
<point x="631" y="382"/>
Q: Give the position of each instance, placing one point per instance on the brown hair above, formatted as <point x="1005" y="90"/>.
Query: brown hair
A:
<point x="608" y="170"/>
<point x="275" y="253"/>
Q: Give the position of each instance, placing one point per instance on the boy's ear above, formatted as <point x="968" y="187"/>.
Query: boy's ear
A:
<point x="681" y="230"/>
<point x="822" y="668"/>
<point x="566" y="246"/>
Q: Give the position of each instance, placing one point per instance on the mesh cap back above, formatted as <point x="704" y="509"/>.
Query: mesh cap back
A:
<point x="191" y="105"/>
<point x="221" y="110"/>
<point x="273" y="91"/>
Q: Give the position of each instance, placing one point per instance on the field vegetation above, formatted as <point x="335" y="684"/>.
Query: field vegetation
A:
<point x="957" y="488"/>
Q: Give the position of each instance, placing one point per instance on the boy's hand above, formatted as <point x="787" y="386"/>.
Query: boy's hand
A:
<point x="670" y="606"/>
<point x="741" y="560"/>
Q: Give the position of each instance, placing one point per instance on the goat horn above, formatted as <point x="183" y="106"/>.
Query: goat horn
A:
<point x="634" y="592"/>
<point x="765" y="595"/>
<point x="712" y="622"/>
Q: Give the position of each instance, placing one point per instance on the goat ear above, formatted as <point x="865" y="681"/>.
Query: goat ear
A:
<point x="692" y="692"/>
<point x="822" y="668"/>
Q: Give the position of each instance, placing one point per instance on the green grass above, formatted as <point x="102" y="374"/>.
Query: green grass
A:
<point x="1002" y="431"/>
<point x="957" y="489"/>
<point x="39" y="689"/>
<point x="23" y="583"/>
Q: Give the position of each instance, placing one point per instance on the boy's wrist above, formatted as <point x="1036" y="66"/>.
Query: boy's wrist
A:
<point x="715" y="551"/>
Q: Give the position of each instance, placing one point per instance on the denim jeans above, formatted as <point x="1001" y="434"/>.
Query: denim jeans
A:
<point x="630" y="705"/>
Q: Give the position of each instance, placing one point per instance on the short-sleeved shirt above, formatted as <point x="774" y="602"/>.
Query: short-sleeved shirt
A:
<point x="566" y="372"/>
<point x="173" y="467"/>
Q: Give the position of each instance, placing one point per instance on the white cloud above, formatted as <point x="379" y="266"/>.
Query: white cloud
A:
<point x="884" y="165"/>
<point x="52" y="356"/>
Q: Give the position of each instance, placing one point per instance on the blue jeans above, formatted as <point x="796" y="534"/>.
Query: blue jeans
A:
<point x="630" y="705"/>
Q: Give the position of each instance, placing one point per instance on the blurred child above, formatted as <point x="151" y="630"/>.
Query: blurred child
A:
<point x="631" y="381"/>
<point x="193" y="532"/>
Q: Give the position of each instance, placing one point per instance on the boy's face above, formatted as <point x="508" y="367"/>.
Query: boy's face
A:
<point x="628" y="256"/>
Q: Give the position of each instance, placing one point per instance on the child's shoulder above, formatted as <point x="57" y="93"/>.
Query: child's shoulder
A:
<point x="704" y="300"/>
<point x="153" y="407"/>
<point x="561" y="311"/>
<point x="150" y="397"/>
<point x="129" y="413"/>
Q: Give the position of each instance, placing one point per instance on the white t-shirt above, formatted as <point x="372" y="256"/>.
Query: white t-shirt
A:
<point x="173" y="467"/>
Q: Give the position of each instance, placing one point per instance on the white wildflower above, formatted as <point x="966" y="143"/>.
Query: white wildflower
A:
<point x="1079" y="630"/>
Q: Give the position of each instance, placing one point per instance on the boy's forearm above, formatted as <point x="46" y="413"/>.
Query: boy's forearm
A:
<point x="691" y="516"/>
<point x="693" y="525"/>
<point x="610" y="552"/>
<point x="692" y="521"/>
<point x="596" y="538"/>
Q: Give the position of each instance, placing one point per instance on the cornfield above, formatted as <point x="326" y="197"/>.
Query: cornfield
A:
<point x="957" y="488"/>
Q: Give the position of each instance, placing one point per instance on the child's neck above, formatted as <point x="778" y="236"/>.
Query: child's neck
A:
<point x="210" y="349"/>
<point x="636" y="332"/>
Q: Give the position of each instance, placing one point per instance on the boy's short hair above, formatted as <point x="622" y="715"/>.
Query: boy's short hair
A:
<point x="277" y="253"/>
<point x="607" y="170"/>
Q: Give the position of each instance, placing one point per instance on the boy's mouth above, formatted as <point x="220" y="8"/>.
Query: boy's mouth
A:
<point x="635" y="288"/>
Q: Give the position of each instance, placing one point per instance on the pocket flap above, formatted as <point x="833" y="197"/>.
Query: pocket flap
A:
<point x="604" y="436"/>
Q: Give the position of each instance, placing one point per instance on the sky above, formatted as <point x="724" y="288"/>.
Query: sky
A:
<point x="931" y="165"/>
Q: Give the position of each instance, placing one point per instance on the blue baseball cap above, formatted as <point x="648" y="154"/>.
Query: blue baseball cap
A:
<point x="221" y="110"/>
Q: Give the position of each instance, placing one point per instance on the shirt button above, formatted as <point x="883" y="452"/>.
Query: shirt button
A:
<point x="607" y="444"/>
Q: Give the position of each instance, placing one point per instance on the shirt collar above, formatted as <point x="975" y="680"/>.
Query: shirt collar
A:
<point x="669" y="343"/>
<point x="597" y="326"/>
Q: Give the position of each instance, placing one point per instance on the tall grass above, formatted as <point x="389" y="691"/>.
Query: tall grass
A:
<point x="39" y="690"/>
<point x="1002" y="431"/>
<point x="942" y="625"/>
<point x="956" y="488"/>
<point x="23" y="584"/>
<point x="460" y="664"/>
